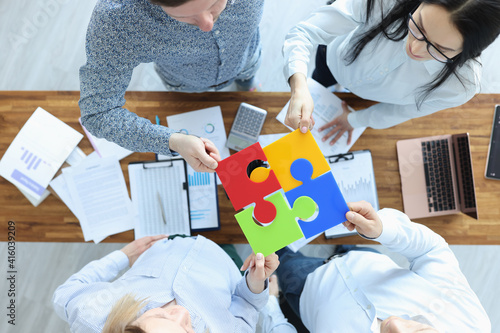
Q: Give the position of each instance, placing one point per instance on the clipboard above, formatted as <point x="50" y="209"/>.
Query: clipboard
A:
<point x="160" y="195"/>
<point x="203" y="198"/>
<point x="355" y="177"/>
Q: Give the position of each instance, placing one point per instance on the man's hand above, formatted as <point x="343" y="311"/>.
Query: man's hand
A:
<point x="260" y="269"/>
<point x="200" y="153"/>
<point x="339" y="125"/>
<point x="364" y="218"/>
<point x="299" y="114"/>
<point x="134" y="249"/>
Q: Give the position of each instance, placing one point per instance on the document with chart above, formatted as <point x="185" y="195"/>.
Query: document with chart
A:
<point x="37" y="152"/>
<point x="354" y="175"/>
<point x="203" y="200"/>
<point x="160" y="196"/>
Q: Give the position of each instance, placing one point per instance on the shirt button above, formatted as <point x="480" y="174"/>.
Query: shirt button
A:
<point x="368" y="307"/>
<point x="217" y="32"/>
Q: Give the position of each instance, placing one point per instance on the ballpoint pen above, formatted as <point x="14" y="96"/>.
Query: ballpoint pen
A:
<point x="157" y="120"/>
<point x="160" y="203"/>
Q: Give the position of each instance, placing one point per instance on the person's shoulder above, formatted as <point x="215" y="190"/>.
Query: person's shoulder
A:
<point x="122" y="9"/>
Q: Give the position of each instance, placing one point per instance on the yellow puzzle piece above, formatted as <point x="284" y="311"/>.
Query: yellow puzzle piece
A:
<point x="283" y="152"/>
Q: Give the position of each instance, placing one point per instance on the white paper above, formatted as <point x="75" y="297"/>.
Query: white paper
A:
<point x="159" y="179"/>
<point x="76" y="156"/>
<point x="356" y="182"/>
<point x="327" y="107"/>
<point x="37" y="152"/>
<point x="206" y="123"/>
<point x="59" y="186"/>
<point x="298" y="244"/>
<point x="100" y="197"/>
<point x="203" y="200"/>
<point x="105" y="148"/>
<point x="266" y="139"/>
<point x="34" y="201"/>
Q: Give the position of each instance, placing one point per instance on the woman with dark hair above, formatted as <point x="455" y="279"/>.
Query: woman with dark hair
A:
<point x="414" y="57"/>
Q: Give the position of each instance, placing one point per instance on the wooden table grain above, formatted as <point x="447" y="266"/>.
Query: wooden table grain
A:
<point x="52" y="221"/>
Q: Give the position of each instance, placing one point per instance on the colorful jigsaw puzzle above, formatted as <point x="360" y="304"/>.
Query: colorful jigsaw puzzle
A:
<point x="296" y="196"/>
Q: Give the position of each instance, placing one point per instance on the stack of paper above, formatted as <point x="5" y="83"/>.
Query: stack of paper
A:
<point x="95" y="191"/>
<point x="37" y="152"/>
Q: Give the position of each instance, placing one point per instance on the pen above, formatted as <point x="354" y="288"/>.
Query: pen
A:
<point x="157" y="120"/>
<point x="163" y="217"/>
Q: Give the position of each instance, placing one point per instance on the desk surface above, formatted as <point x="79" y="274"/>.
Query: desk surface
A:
<point x="52" y="221"/>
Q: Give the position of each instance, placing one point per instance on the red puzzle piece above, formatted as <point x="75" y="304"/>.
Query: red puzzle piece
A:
<point x="242" y="191"/>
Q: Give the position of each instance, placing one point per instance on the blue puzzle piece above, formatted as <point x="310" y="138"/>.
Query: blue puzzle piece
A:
<point x="324" y="191"/>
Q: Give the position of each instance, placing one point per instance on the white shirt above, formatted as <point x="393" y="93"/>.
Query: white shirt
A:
<point x="383" y="71"/>
<point x="351" y="292"/>
<point x="195" y="272"/>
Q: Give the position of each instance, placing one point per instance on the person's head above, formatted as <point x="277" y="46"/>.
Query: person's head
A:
<point x="474" y="23"/>
<point x="201" y="13"/>
<point x="124" y="318"/>
<point x="460" y="29"/>
<point x="395" y="324"/>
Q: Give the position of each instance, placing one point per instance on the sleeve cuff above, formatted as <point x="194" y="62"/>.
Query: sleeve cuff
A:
<point x="119" y="258"/>
<point x="257" y="300"/>
<point x="293" y="67"/>
<point x="389" y="219"/>
<point x="353" y="119"/>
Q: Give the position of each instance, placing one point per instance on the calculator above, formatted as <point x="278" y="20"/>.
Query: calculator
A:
<point x="246" y="127"/>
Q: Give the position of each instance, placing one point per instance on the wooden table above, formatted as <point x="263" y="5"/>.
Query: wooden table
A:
<point x="52" y="221"/>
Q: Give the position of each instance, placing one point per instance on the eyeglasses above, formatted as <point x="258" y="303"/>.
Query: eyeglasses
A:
<point x="419" y="35"/>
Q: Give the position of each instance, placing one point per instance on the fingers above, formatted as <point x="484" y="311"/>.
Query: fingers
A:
<point x="247" y="262"/>
<point x="207" y="160"/>
<point x="260" y="271"/>
<point x="337" y="137"/>
<point x="328" y="125"/>
<point x="349" y="137"/>
<point x="211" y="149"/>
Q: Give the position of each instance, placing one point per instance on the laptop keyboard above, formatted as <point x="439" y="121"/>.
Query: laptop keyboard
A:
<point x="436" y="158"/>
<point x="469" y="200"/>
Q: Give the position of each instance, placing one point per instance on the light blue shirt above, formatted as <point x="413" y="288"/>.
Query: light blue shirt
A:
<point x="125" y="33"/>
<point x="383" y="71"/>
<point x="354" y="292"/>
<point x="195" y="272"/>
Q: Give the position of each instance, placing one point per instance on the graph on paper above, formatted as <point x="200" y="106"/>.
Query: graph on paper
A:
<point x="203" y="202"/>
<point x="356" y="180"/>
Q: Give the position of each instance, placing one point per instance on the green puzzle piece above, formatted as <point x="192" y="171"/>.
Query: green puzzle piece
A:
<point x="282" y="231"/>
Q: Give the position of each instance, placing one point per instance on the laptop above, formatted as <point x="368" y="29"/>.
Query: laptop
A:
<point x="436" y="176"/>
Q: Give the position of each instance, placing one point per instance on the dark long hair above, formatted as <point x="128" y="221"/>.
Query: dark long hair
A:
<point x="478" y="21"/>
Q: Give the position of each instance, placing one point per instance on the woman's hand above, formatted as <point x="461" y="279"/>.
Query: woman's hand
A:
<point x="364" y="218"/>
<point x="339" y="125"/>
<point x="134" y="249"/>
<point x="299" y="114"/>
<point x="260" y="269"/>
<point x="200" y="153"/>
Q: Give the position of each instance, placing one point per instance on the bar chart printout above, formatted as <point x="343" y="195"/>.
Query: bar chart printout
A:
<point x="203" y="200"/>
<point x="356" y="180"/>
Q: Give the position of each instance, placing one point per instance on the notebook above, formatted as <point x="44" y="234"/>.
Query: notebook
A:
<point x="436" y="176"/>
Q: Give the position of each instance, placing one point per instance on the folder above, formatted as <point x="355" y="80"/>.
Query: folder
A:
<point x="160" y="196"/>
<point x="355" y="177"/>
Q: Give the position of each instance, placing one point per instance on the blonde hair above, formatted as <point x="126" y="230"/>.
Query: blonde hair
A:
<point x="125" y="311"/>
